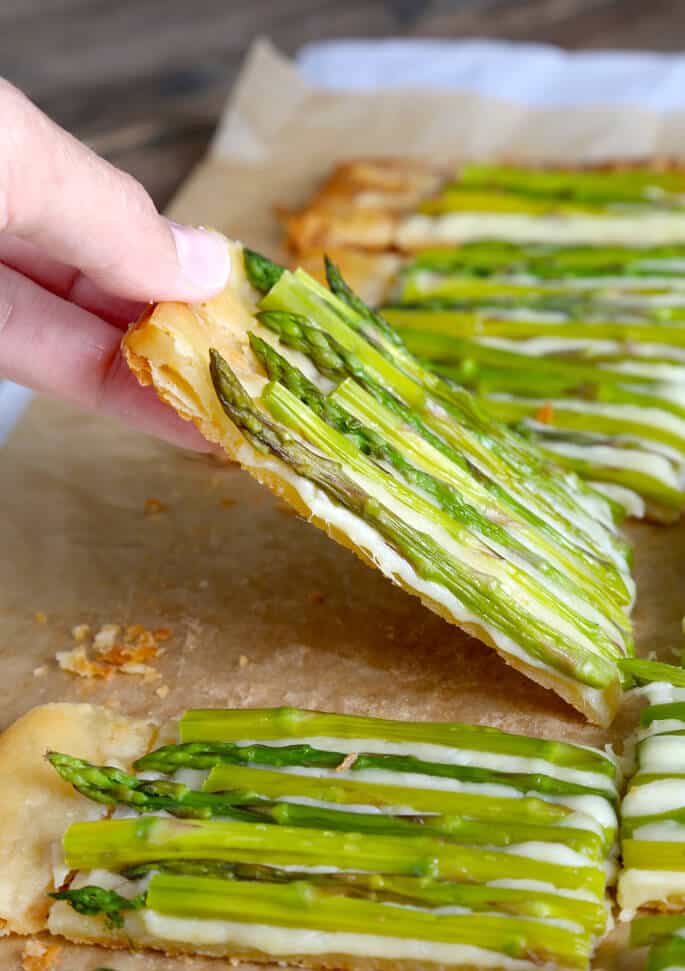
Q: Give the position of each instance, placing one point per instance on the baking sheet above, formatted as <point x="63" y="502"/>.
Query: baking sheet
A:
<point x="264" y="609"/>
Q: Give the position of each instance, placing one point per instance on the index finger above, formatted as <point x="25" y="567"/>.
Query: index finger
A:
<point x="58" y="194"/>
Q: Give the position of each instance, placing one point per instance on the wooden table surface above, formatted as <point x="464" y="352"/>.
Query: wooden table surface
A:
<point x="143" y="81"/>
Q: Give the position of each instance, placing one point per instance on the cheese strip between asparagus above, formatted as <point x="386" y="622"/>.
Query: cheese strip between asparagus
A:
<point x="653" y="808"/>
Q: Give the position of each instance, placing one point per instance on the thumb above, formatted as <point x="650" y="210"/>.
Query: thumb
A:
<point x="62" y="197"/>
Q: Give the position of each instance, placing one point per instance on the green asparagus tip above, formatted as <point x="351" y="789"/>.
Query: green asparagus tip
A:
<point x="92" y="901"/>
<point x="262" y="272"/>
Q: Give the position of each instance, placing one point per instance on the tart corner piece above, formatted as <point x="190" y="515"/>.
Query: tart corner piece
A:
<point x="31" y="788"/>
<point x="303" y="363"/>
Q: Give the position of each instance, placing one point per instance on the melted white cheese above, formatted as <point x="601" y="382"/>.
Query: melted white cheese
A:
<point x="633" y="503"/>
<point x="663" y="753"/>
<point x="661" y="796"/>
<point x="639" y="887"/>
<point x="288" y="941"/>
<point x="666" y="831"/>
<point x="419" y="231"/>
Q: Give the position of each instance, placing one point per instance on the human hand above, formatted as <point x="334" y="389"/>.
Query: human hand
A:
<point x="82" y="249"/>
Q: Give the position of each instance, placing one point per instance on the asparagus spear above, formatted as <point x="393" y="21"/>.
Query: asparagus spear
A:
<point x="669" y="954"/>
<point x="628" y="185"/>
<point x="548" y="261"/>
<point x="674" y="710"/>
<point x="425" y="555"/>
<point x="653" y="855"/>
<point x="111" y="786"/>
<point x="121" y="843"/>
<point x="413" y="891"/>
<point x="479" y="324"/>
<point x="303" y="905"/>
<point x="462" y="198"/>
<point x="651" y="930"/>
<point x="646" y="672"/>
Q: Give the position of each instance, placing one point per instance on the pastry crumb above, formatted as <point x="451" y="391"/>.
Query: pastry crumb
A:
<point x="77" y="662"/>
<point x="227" y="503"/>
<point x="153" y="507"/>
<point x="202" y="584"/>
<point x="40" y="617"/>
<point x="316" y="597"/>
<point x="163" y="691"/>
<point x="545" y="414"/>
<point x="243" y="661"/>
<point x="106" y="638"/>
<point x="116" y="647"/>
<point x="37" y="956"/>
<point x="40" y="671"/>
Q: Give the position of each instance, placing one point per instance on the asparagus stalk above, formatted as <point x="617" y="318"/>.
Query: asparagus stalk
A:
<point x="480" y="324"/>
<point x="484" y="258"/>
<point x="652" y="930"/>
<point x="653" y="855"/>
<point x="121" y="843"/>
<point x="303" y="905"/>
<point x="632" y="185"/>
<point x="577" y="297"/>
<point x="668" y="954"/>
<point x="412" y="891"/>
<point x="674" y="710"/>
<point x="461" y="198"/>
<point x="488" y="533"/>
<point x="224" y="725"/>
<point x="646" y="672"/>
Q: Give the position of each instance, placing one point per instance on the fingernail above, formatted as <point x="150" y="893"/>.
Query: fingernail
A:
<point x="203" y="257"/>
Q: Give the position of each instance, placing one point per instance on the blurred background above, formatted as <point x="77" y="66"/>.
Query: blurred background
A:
<point x="144" y="81"/>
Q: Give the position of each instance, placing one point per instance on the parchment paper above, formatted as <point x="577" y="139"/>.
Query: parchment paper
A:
<point x="264" y="609"/>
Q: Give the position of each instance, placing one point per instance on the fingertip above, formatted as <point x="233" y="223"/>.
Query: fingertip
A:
<point x="203" y="258"/>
